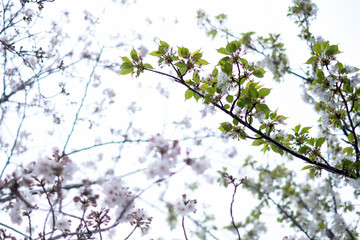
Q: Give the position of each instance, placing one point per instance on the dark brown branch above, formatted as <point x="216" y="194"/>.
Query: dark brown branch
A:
<point x="266" y="137"/>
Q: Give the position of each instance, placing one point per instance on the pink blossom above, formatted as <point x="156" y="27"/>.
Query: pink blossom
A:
<point x="184" y="206"/>
<point x="200" y="166"/>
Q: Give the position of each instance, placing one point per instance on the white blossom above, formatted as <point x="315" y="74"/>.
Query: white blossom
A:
<point x="186" y="122"/>
<point x="350" y="69"/>
<point x="115" y="194"/>
<point x="183" y="206"/>
<point x="200" y="166"/>
<point x="62" y="224"/>
<point x="224" y="82"/>
<point x="51" y="168"/>
<point x="141" y="219"/>
<point x="16" y="213"/>
<point x="354" y="81"/>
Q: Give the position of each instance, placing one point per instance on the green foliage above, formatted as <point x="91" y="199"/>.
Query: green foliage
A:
<point x="189" y="94"/>
<point x="231" y="88"/>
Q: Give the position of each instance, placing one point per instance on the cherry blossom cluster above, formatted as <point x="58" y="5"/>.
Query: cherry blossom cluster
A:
<point x="185" y="206"/>
<point x="293" y="237"/>
<point x="42" y="178"/>
<point x="50" y="169"/>
<point x="165" y="155"/>
<point x="117" y="196"/>
<point x="140" y="219"/>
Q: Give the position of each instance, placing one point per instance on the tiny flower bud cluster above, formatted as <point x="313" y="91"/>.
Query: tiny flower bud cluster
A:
<point x="141" y="219"/>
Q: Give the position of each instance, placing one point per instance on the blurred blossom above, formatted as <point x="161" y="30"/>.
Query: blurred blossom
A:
<point x="62" y="224"/>
<point x="184" y="206"/>
<point x="51" y="168"/>
<point x="143" y="51"/>
<point x="200" y="166"/>
<point x="186" y="122"/>
<point x="15" y="213"/>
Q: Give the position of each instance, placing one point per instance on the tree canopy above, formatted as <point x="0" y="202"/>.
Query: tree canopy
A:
<point x="81" y="158"/>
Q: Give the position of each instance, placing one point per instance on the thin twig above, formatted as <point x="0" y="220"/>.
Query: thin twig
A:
<point x="183" y="227"/>
<point x="82" y="100"/>
<point x="17" y="136"/>
<point x="231" y="211"/>
<point x="17" y="231"/>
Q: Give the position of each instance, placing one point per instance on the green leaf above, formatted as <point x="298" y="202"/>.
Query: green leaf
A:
<point x="215" y="71"/>
<point x="229" y="98"/>
<point x="180" y="64"/>
<point x="306" y="167"/>
<point x="312" y="172"/>
<point x="201" y="62"/>
<point x="259" y="72"/>
<point x="320" y="141"/>
<point x="348" y="151"/>
<point x="222" y="51"/>
<point x="164" y="44"/>
<point x="311" y="141"/>
<point x="196" y="77"/>
<point x="127" y="65"/>
<point x="196" y="52"/>
<point x="226" y="126"/>
<point x="126" y="68"/>
<point x="163" y="47"/>
<point x="303" y="149"/>
<point x="351" y="137"/>
<point x="196" y="96"/>
<point x="324" y="45"/>
<point x="262" y="108"/>
<point x="253" y="92"/>
<point x="316" y="48"/>
<point x="196" y="56"/>
<point x="243" y="61"/>
<point x="204" y="86"/>
<point x="183" y="52"/>
<point x="277" y="150"/>
<point x="332" y="50"/>
<point x="231" y="47"/>
<point x="126" y="59"/>
<point x="134" y="55"/>
<point x="125" y="71"/>
<point x="319" y="73"/>
<point x="311" y="60"/>
<point x="155" y="53"/>
<point x="148" y="66"/>
<point x="188" y="94"/>
<point x="297" y="128"/>
<point x="258" y="142"/>
<point x="263" y="92"/>
<point x="183" y="70"/>
<point x="227" y="68"/>
<point x="305" y="130"/>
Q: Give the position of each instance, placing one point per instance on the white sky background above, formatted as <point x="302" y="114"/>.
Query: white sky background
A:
<point x="175" y="22"/>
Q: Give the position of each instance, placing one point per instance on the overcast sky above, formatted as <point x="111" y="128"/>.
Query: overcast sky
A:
<point x="175" y="23"/>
